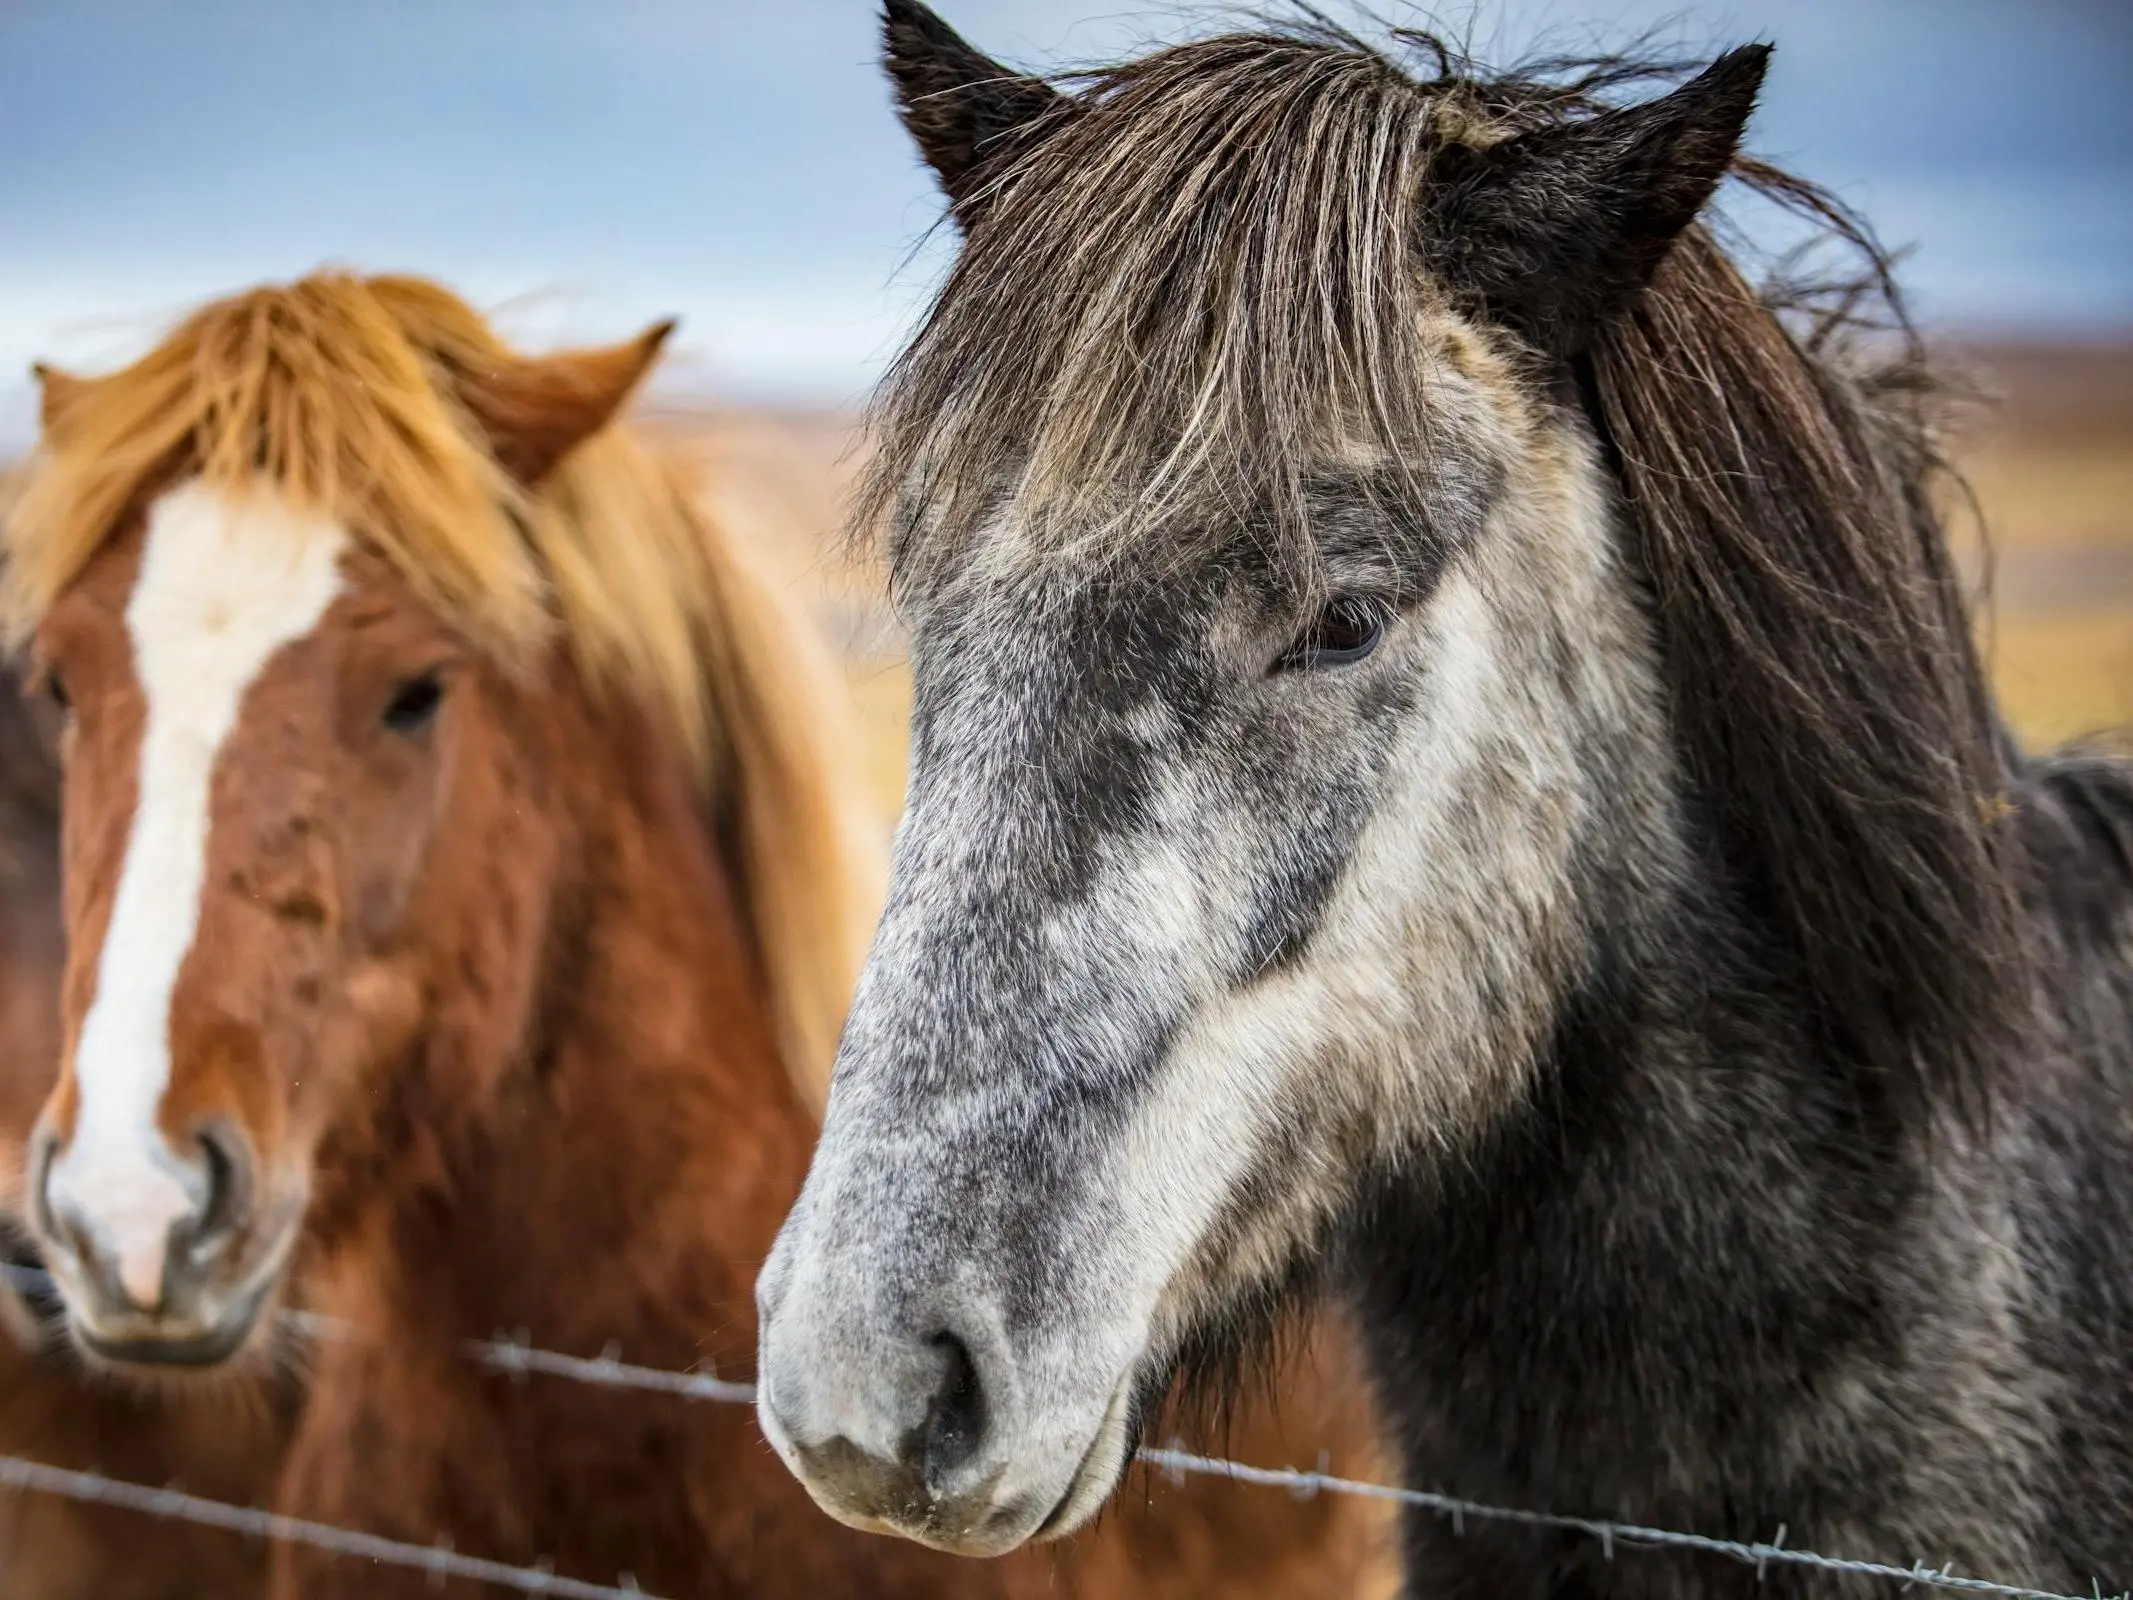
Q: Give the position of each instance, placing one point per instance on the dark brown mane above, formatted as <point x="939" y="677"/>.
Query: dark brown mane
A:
<point x="1206" y="265"/>
<point x="1826" y="692"/>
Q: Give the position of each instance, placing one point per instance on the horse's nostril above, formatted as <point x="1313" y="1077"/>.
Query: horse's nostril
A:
<point x="228" y="1170"/>
<point x="955" y="1426"/>
<point x="41" y="1183"/>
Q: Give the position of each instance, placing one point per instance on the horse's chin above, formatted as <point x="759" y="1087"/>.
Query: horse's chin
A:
<point x="160" y="1355"/>
<point x="1103" y="1465"/>
<point x="989" y="1519"/>
<point x="221" y="1336"/>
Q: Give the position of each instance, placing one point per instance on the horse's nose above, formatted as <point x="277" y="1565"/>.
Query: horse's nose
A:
<point x="135" y="1226"/>
<point x="924" y="1477"/>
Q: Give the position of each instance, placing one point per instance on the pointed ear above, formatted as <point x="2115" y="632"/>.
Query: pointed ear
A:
<point x="1557" y="230"/>
<point x="966" y="111"/>
<point x="537" y="409"/>
<point x="58" y="394"/>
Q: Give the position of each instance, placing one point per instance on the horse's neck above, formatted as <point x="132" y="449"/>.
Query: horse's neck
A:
<point x="1691" y="1214"/>
<point x="628" y="1165"/>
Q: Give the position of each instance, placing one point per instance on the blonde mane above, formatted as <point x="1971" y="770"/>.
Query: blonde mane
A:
<point x="350" y="394"/>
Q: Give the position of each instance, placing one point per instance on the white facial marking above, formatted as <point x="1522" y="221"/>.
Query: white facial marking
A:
<point x="225" y="582"/>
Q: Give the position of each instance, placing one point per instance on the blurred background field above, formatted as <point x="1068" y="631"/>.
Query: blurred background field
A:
<point x="582" y="167"/>
<point x="2049" y="456"/>
<point x="2053" y="471"/>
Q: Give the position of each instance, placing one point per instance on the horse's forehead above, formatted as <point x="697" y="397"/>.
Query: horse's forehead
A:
<point x="223" y="582"/>
<point x="189" y="603"/>
<point x="225" y="579"/>
<point x="1482" y="412"/>
<point x="210" y="589"/>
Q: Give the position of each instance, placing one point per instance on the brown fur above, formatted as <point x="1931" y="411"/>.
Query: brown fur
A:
<point x="513" y="1032"/>
<point x="225" y="1443"/>
<point x="377" y="401"/>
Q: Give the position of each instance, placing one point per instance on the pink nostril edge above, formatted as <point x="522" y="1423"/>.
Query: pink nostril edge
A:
<point x="139" y="1265"/>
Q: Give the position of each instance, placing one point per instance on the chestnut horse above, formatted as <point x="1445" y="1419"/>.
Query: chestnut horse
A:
<point x="1199" y="1538"/>
<point x="223" y="1442"/>
<point x="463" y="889"/>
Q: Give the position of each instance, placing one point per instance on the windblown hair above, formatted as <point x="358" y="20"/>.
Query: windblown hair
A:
<point x="345" y="393"/>
<point x="1188" y="282"/>
<point x="1189" y="279"/>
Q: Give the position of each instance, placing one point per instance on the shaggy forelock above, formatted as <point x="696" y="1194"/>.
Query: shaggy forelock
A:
<point x="1183" y="295"/>
<point x="1192" y="283"/>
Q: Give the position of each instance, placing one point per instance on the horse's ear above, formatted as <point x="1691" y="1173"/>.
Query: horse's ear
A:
<point x="535" y="410"/>
<point x="58" y="394"/>
<point x="966" y="111"/>
<point x="1557" y="230"/>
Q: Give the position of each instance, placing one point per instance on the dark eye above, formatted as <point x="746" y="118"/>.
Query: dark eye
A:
<point x="414" y="704"/>
<point x="55" y="688"/>
<point x="1344" y="632"/>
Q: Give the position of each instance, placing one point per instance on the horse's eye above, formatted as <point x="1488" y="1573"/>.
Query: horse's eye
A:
<point x="55" y="688"/>
<point x="1345" y="631"/>
<point x="414" y="704"/>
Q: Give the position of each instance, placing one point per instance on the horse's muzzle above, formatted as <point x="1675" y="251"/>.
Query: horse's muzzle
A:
<point x="169" y="1267"/>
<point x="933" y="1433"/>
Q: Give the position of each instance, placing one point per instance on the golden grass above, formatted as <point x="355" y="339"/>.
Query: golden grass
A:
<point x="882" y="692"/>
<point x="2053" y="495"/>
<point x="2054" y="479"/>
<point x="2065" y="675"/>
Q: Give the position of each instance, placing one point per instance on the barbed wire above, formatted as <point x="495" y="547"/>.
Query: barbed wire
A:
<point x="519" y="1357"/>
<point x="514" y="1355"/>
<point x="1610" y="1534"/>
<point x="440" y="1561"/>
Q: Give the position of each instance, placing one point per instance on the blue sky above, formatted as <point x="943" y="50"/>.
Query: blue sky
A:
<point x="590" y="164"/>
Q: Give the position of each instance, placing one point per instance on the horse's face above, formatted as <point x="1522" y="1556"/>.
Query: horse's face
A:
<point x="265" y="727"/>
<point x="1206" y="897"/>
<point x="1224" y="880"/>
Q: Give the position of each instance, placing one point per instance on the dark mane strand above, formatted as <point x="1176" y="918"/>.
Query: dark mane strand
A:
<point x="1171" y="301"/>
<point x="1826" y="694"/>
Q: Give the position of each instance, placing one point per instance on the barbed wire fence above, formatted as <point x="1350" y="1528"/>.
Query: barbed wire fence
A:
<point x="518" y="1358"/>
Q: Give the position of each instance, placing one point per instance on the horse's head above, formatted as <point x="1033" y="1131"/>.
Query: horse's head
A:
<point x="1332" y="504"/>
<point x="269" y="572"/>
<point x="1268" y="644"/>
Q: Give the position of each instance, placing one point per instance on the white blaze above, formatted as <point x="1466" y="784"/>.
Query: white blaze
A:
<point x="225" y="582"/>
